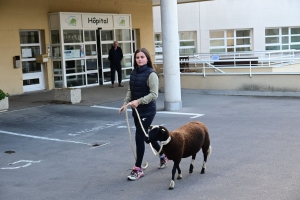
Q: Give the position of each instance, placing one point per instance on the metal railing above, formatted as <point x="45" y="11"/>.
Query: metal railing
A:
<point x="262" y="62"/>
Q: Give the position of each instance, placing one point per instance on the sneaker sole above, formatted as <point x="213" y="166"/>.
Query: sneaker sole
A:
<point x="162" y="166"/>
<point x="133" y="179"/>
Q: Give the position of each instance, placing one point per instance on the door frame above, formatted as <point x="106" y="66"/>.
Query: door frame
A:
<point x="34" y="75"/>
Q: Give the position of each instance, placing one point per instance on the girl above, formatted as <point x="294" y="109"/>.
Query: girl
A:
<point x="141" y="94"/>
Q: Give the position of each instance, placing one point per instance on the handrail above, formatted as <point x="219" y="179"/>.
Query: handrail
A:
<point x="242" y="60"/>
<point x="210" y="65"/>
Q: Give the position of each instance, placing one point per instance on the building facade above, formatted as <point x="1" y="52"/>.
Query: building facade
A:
<point x="234" y="26"/>
<point x="52" y="44"/>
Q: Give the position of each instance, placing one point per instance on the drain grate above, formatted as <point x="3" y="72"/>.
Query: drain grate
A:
<point x="9" y="152"/>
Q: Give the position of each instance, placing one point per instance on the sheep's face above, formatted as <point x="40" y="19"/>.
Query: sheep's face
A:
<point x="157" y="133"/>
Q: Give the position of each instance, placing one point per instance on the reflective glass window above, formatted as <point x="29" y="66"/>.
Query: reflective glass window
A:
<point x="76" y="80"/>
<point x="272" y="31"/>
<point x="242" y="33"/>
<point x="90" y="50"/>
<point x="55" y="37"/>
<point x="92" y="78"/>
<point x="29" y="37"/>
<point x="106" y="48"/>
<point x="295" y="31"/>
<point x="127" y="61"/>
<point x="91" y="64"/>
<point x="74" y="66"/>
<point x="89" y="35"/>
<point x="126" y="47"/>
<point x="72" y="36"/>
<point x="123" y="35"/>
<point x="57" y="68"/>
<point x="30" y="51"/>
<point x="107" y="35"/>
<point x="216" y="34"/>
<point x="214" y="43"/>
<point x="31" y="67"/>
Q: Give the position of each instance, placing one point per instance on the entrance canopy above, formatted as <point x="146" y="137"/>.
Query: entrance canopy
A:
<point x="157" y="2"/>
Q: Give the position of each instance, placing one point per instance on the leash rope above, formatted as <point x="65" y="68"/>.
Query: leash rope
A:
<point x="128" y="126"/>
<point x="162" y="143"/>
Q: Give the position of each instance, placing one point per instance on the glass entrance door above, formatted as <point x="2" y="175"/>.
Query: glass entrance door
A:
<point x="33" y="78"/>
<point x="126" y="42"/>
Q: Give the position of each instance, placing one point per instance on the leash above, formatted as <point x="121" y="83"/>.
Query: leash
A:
<point x="162" y="143"/>
<point x="128" y="126"/>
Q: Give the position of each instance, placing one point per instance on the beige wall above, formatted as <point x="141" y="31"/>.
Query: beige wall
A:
<point x="16" y="15"/>
<point x="265" y="83"/>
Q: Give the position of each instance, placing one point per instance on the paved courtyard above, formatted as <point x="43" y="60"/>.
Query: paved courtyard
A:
<point x="58" y="151"/>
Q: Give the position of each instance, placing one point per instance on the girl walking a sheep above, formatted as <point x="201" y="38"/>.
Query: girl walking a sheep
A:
<point x="141" y="94"/>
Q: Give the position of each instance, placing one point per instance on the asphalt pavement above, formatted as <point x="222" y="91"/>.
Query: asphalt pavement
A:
<point x="82" y="151"/>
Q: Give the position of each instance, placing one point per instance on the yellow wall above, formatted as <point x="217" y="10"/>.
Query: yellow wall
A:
<point x="16" y="15"/>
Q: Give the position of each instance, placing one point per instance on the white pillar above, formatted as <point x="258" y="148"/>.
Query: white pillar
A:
<point x="170" y="40"/>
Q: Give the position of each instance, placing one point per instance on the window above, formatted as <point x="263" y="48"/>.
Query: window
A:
<point x="284" y="38"/>
<point x="187" y="43"/>
<point x="230" y="40"/>
<point x="158" y="44"/>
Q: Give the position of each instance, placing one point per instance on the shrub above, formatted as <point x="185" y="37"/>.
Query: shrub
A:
<point x="3" y="94"/>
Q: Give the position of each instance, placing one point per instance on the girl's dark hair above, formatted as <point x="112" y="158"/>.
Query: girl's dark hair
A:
<point x="147" y="54"/>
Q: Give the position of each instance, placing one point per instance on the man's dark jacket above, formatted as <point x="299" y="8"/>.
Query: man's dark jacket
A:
<point x="116" y="61"/>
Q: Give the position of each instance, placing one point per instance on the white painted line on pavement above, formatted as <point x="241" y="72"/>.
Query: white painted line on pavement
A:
<point x="25" y="108"/>
<point x="29" y="162"/>
<point x="194" y="115"/>
<point x="109" y="108"/>
<point x="46" y="138"/>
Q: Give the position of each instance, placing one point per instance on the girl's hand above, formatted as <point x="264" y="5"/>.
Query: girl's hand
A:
<point x="134" y="104"/>
<point x="122" y="108"/>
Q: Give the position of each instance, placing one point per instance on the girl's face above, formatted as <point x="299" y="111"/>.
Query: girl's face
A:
<point x="141" y="59"/>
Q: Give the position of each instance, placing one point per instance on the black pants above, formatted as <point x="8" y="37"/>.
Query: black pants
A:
<point x="113" y="69"/>
<point x="140" y="139"/>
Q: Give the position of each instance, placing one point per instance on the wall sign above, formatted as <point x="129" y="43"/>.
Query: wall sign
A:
<point x="96" y="20"/>
<point x="70" y="20"/>
<point x="26" y="53"/>
<point x="121" y="21"/>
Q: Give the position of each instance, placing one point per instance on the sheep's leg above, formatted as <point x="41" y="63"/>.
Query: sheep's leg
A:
<point x="179" y="172"/>
<point x="192" y="164"/>
<point x="175" y="166"/>
<point x="206" y="153"/>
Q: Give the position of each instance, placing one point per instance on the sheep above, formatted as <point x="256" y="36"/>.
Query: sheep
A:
<point x="186" y="141"/>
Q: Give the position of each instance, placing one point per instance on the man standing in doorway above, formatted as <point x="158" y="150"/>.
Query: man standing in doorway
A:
<point x="115" y="56"/>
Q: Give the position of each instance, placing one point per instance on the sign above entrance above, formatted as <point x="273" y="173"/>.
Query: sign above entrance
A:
<point x="95" y="21"/>
<point x="71" y="21"/>
<point x="89" y="20"/>
<point x="121" y="21"/>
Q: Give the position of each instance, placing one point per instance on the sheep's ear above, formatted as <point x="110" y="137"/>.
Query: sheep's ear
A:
<point x="153" y="127"/>
<point x="162" y="128"/>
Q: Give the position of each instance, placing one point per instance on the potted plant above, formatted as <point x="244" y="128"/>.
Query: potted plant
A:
<point x="66" y="95"/>
<point x="3" y="101"/>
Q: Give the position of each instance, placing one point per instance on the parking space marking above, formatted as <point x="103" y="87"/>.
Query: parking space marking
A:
<point x="194" y="115"/>
<point x="9" y="111"/>
<point x="28" y="163"/>
<point x="108" y="125"/>
<point x="46" y="138"/>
